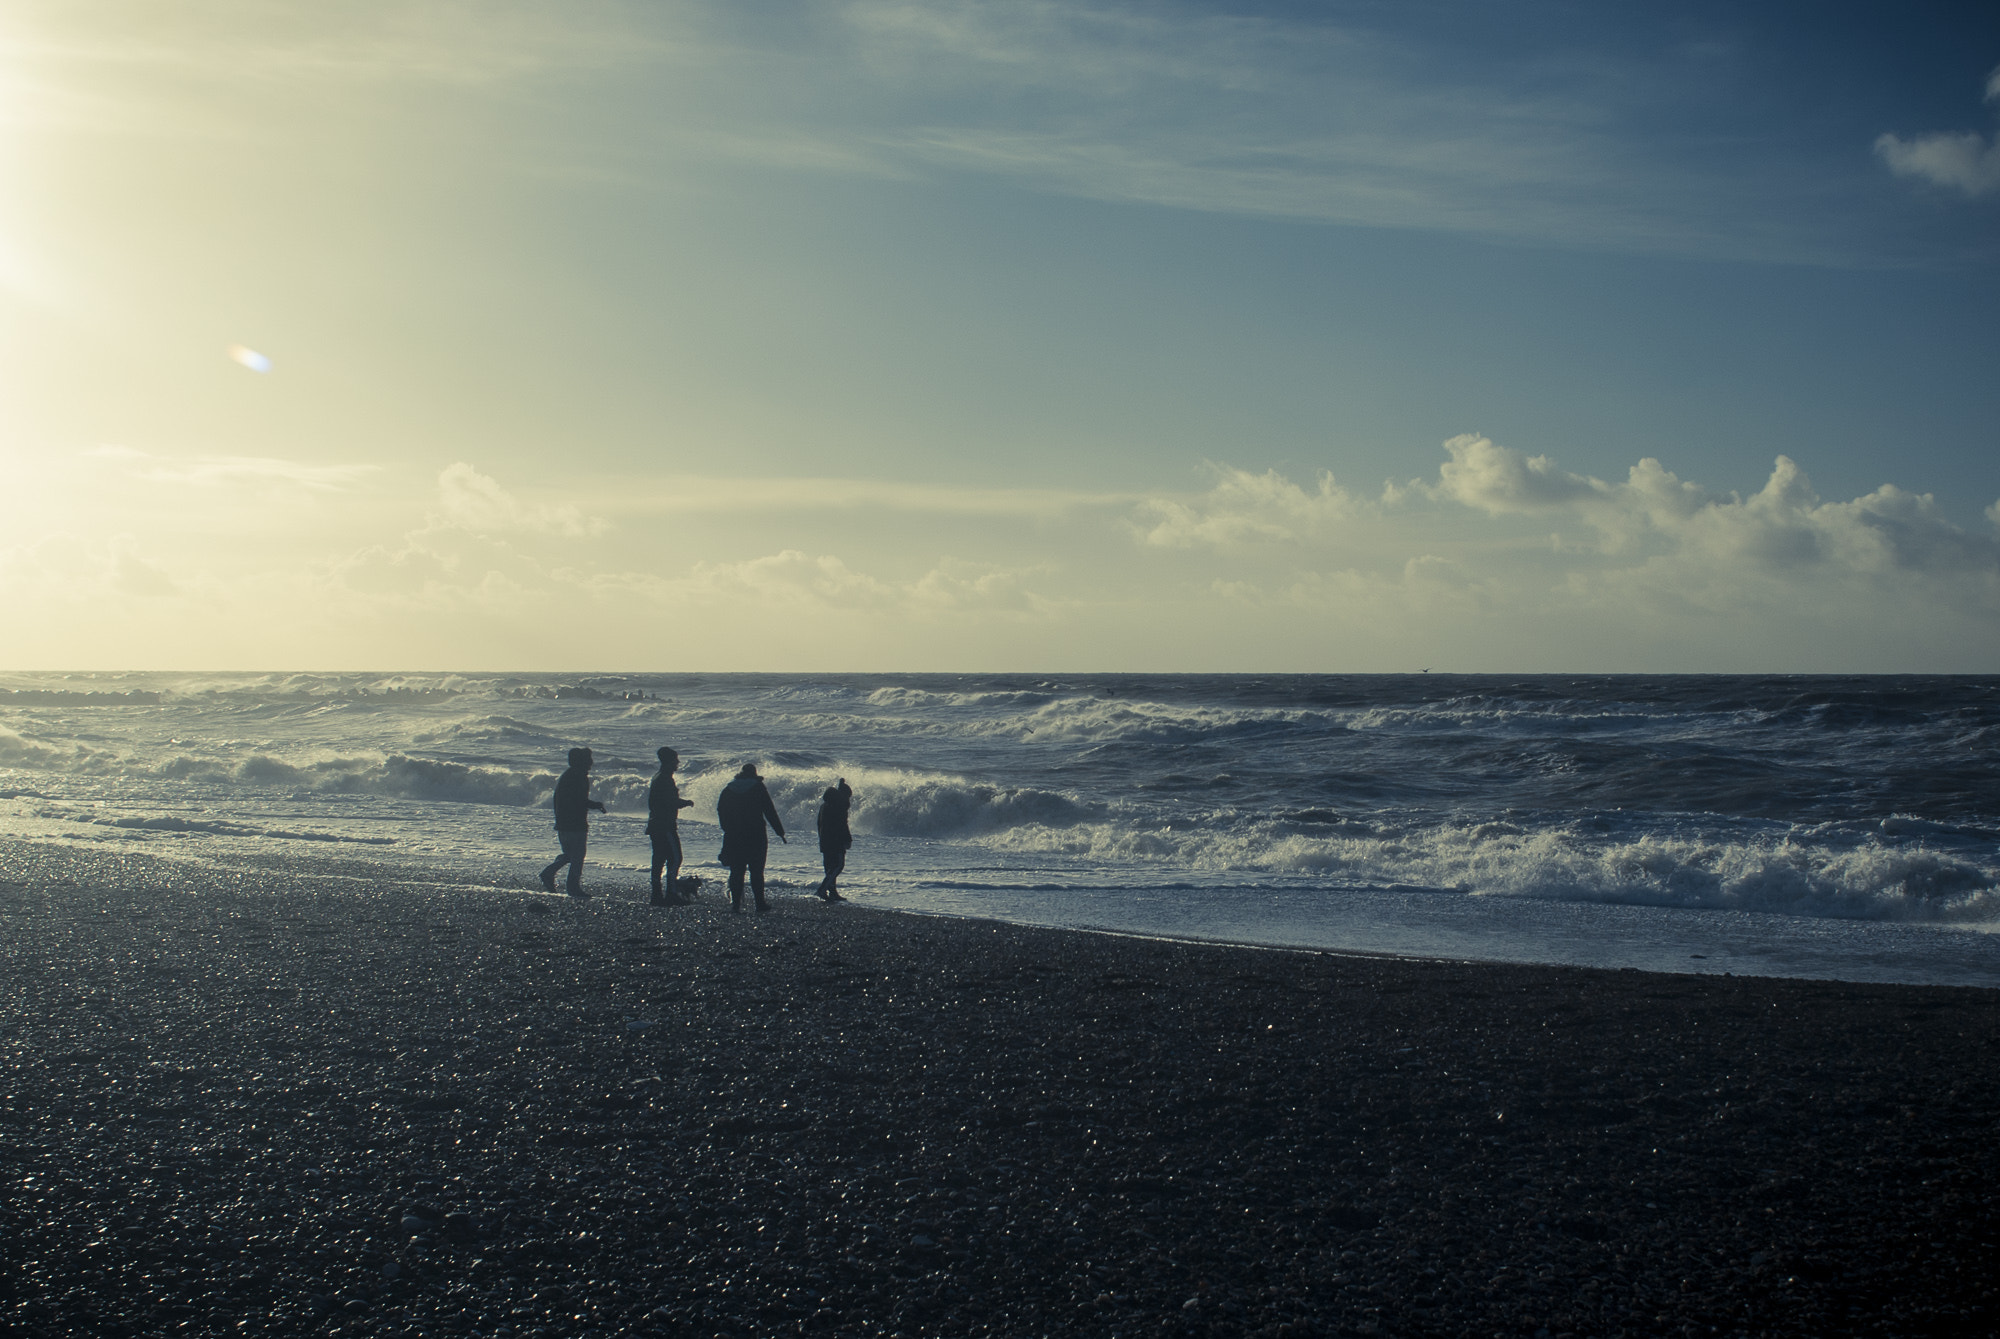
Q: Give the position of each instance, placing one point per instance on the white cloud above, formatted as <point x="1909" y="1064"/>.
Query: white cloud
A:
<point x="1498" y="559"/>
<point x="788" y="578"/>
<point x="1243" y="508"/>
<point x="469" y="500"/>
<point x="1785" y="524"/>
<point x="1648" y="553"/>
<point x="213" y="470"/>
<point x="791" y="580"/>
<point x="65" y="569"/>
<point x="1647" y="516"/>
<point x="1498" y="481"/>
<point x="1965" y="161"/>
<point x="1962" y="160"/>
<point x="707" y="494"/>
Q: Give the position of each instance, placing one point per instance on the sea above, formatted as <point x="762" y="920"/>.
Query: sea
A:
<point x="1828" y="827"/>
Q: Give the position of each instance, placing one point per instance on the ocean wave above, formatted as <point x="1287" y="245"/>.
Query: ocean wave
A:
<point x="1088" y="720"/>
<point x="1035" y="716"/>
<point x="395" y="775"/>
<point x="489" y="730"/>
<point x="1865" y="880"/>
<point x="16" y="751"/>
<point x="37" y="755"/>
<point x="950" y="807"/>
<point x="892" y="803"/>
<point x="919" y="699"/>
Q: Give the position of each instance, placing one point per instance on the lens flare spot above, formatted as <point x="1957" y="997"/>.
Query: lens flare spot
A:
<point x="250" y="358"/>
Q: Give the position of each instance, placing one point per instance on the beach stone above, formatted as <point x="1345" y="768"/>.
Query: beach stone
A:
<point x="414" y="1225"/>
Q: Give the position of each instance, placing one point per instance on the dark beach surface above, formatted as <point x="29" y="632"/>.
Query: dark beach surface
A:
<point x="326" y="1099"/>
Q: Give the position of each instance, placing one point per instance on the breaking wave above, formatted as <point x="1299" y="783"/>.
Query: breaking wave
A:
<point x="1860" y="880"/>
<point x="397" y="775"/>
<point x="489" y="730"/>
<point x="898" y="803"/>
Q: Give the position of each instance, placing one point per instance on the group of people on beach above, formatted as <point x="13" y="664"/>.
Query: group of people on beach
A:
<point x="744" y="811"/>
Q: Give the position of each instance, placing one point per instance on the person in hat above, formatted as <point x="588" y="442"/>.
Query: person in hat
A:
<point x="663" y="825"/>
<point x="743" y="808"/>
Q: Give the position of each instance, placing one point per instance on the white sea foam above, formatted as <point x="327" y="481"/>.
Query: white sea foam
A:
<point x="172" y="823"/>
<point x="1869" y="880"/>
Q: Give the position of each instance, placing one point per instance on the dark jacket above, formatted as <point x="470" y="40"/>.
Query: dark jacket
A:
<point x="663" y="805"/>
<point x="742" y="809"/>
<point x="573" y="802"/>
<point x="833" y="831"/>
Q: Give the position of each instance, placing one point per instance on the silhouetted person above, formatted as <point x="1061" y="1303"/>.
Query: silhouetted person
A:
<point x="742" y="809"/>
<point x="663" y="825"/>
<point x="834" y="838"/>
<point x="573" y="806"/>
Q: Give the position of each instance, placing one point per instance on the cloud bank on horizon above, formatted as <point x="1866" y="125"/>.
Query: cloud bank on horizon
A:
<point x="931" y="334"/>
<point x="1498" y="560"/>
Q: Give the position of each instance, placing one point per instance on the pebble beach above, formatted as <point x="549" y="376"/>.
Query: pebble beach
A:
<point x="321" y="1096"/>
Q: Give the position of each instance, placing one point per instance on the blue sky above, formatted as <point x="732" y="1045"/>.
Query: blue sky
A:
<point x="1001" y="335"/>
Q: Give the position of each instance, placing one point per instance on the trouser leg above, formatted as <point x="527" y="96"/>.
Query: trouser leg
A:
<point x="573" y="845"/>
<point x="757" y="882"/>
<point x="736" y="885"/>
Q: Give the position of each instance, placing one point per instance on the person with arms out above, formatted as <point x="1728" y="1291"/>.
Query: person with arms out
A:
<point x="663" y="825"/>
<point x="573" y="805"/>
<point x="834" y="837"/>
<point x="742" y="809"/>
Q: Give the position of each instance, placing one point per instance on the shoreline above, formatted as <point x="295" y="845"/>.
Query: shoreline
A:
<point x="276" y="1100"/>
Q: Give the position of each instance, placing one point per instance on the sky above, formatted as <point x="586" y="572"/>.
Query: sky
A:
<point x="803" y="336"/>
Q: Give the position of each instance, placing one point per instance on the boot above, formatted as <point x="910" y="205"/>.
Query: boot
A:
<point x="762" y="905"/>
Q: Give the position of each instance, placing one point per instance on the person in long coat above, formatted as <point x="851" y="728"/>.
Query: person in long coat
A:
<point x="743" y="808"/>
<point x="663" y="825"/>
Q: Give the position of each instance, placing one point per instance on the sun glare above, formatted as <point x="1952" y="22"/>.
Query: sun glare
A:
<point x="250" y="358"/>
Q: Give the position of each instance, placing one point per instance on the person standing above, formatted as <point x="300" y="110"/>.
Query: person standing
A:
<point x="742" y="809"/>
<point x="835" y="840"/>
<point x="663" y="825"/>
<point x="573" y="805"/>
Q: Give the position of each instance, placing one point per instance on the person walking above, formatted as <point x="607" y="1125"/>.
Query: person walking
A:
<point x="835" y="840"/>
<point x="663" y="825"/>
<point x="573" y="805"/>
<point x="742" y="809"/>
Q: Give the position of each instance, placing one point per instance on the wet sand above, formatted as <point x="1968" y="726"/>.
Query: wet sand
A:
<point x="323" y="1099"/>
